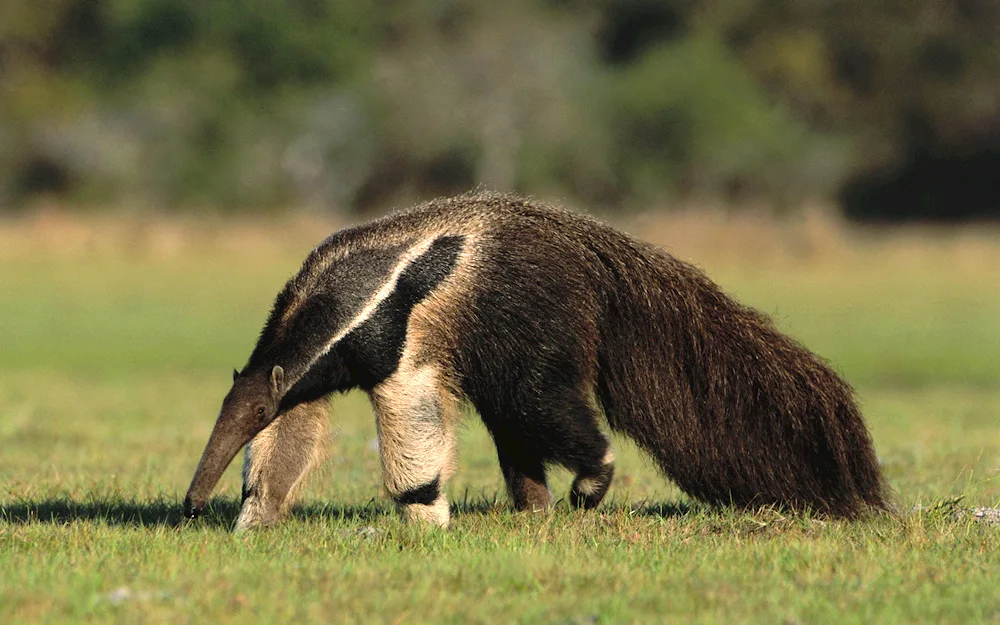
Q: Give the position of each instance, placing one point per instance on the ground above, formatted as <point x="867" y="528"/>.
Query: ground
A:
<point x="118" y="336"/>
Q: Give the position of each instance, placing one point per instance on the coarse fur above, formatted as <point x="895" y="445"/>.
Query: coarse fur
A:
<point x="544" y="321"/>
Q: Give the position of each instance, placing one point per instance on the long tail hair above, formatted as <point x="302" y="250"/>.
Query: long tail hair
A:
<point x="731" y="409"/>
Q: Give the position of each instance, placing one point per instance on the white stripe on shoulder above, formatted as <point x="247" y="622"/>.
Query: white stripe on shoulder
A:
<point x="377" y="298"/>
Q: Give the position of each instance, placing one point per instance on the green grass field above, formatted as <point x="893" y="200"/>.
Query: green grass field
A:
<point x="114" y="357"/>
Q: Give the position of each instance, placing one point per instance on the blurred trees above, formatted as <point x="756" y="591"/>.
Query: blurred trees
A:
<point x="915" y="84"/>
<point x="892" y="104"/>
<point x="177" y="102"/>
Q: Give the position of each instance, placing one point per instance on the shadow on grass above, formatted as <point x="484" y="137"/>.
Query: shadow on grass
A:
<point x="662" y="510"/>
<point x="221" y="512"/>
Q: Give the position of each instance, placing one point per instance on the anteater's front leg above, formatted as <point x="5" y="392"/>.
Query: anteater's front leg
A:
<point x="415" y="418"/>
<point x="277" y="460"/>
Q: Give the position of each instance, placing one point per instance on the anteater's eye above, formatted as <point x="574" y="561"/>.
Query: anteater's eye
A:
<point x="260" y="411"/>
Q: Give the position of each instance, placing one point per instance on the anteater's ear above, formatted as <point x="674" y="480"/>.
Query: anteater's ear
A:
<point x="277" y="378"/>
<point x="236" y="374"/>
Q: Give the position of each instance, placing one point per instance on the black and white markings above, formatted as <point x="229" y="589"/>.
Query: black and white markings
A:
<point x="356" y="340"/>
<point x="425" y="495"/>
<point x="350" y="331"/>
<point x="372" y="349"/>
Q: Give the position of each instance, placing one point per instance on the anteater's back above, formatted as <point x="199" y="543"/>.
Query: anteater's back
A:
<point x="730" y="408"/>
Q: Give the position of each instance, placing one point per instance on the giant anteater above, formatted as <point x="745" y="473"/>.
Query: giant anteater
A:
<point x="543" y="320"/>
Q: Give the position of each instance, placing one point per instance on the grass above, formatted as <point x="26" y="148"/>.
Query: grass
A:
<point x="116" y="343"/>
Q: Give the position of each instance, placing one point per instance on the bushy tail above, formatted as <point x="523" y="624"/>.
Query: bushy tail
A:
<point x="731" y="409"/>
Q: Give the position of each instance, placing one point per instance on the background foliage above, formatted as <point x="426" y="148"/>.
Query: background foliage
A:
<point x="891" y="106"/>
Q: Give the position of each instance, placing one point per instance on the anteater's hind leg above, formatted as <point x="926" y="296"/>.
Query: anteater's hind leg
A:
<point x="592" y="481"/>
<point x="524" y="472"/>
<point x="415" y="416"/>
<point x="579" y="445"/>
<point x="277" y="460"/>
<point x="562" y="432"/>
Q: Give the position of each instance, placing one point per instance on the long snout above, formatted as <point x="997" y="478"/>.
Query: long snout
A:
<point x="228" y="436"/>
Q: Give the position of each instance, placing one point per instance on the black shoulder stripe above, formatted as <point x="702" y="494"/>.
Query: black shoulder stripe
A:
<point x="332" y="302"/>
<point x="428" y="270"/>
<point x="372" y="350"/>
<point x="326" y="375"/>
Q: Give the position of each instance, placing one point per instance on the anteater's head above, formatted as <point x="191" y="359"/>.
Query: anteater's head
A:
<point x="249" y="407"/>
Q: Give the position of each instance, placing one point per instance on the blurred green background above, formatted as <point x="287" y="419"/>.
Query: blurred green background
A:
<point x="889" y="108"/>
